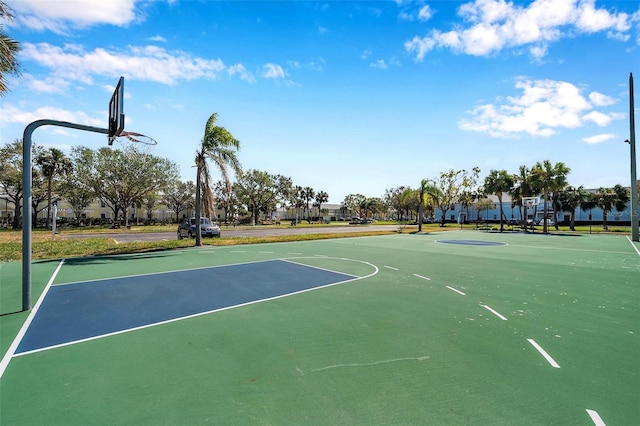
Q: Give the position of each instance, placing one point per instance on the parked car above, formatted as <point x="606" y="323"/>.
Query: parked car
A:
<point x="207" y="229"/>
<point x="550" y="222"/>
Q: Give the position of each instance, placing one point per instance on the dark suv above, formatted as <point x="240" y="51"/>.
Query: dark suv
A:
<point x="207" y="229"/>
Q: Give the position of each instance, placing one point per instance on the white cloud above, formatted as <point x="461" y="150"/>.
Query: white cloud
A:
<point x="380" y="63"/>
<point x="12" y="114"/>
<point x="273" y="71"/>
<point x="598" y="118"/>
<point x="240" y="70"/>
<point x="61" y="16"/>
<point x="425" y="13"/>
<point x="158" y="38"/>
<point x="599" y="138"/>
<point x="493" y="25"/>
<point x="543" y="107"/>
<point x="48" y="85"/>
<point x="598" y="99"/>
<point x="150" y="63"/>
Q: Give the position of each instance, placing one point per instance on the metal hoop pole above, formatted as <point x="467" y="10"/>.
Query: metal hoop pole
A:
<point x="27" y="198"/>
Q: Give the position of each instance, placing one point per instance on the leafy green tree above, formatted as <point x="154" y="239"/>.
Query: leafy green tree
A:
<point x="393" y="198"/>
<point x="9" y="49"/>
<point x="499" y="182"/>
<point x="76" y="189"/>
<point x="54" y="165"/>
<point x="220" y="147"/>
<point x="261" y="191"/>
<point x="179" y="196"/>
<point x="123" y="178"/>
<point x="352" y="202"/>
<point x="483" y="204"/>
<point x="445" y="191"/>
<point x="11" y="177"/>
<point x="226" y="197"/>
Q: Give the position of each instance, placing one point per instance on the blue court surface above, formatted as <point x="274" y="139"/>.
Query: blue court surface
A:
<point x="79" y="311"/>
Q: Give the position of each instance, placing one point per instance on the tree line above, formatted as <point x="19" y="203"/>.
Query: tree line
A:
<point x="120" y="179"/>
<point x="544" y="179"/>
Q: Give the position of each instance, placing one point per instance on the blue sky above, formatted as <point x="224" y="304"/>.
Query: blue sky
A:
<point x="342" y="96"/>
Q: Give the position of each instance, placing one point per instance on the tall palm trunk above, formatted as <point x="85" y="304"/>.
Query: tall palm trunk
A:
<point x="198" y="203"/>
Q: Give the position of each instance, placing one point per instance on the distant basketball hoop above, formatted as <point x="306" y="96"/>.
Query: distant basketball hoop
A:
<point x="530" y="202"/>
<point x="116" y="112"/>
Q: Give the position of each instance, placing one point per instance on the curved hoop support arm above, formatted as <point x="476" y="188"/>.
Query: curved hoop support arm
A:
<point x="27" y="197"/>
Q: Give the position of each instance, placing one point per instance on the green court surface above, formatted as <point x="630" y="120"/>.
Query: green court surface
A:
<point x="544" y="329"/>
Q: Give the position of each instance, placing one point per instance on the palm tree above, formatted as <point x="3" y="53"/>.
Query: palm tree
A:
<point x="9" y="49"/>
<point x="549" y="179"/>
<point x="53" y="163"/>
<point x="609" y="198"/>
<point x="321" y="197"/>
<point x="422" y="195"/>
<point x="405" y="203"/>
<point x="308" y="194"/>
<point x="499" y="182"/>
<point x="220" y="147"/>
<point x="522" y="189"/>
<point x="570" y="199"/>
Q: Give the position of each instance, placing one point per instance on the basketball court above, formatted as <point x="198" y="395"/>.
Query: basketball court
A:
<point x="401" y="329"/>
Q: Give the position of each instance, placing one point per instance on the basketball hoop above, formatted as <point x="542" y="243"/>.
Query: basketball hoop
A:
<point x="530" y="202"/>
<point x="135" y="144"/>
<point x="138" y="138"/>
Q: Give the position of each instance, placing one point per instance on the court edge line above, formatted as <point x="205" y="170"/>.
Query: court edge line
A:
<point x="456" y="290"/>
<point x="633" y="245"/>
<point x="496" y="313"/>
<point x="595" y="417"/>
<point x="16" y="341"/>
<point x="167" y="272"/>
<point x="546" y="356"/>
<point x="290" y="260"/>
<point x="226" y="308"/>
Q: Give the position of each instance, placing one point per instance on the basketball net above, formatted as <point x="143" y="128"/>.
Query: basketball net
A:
<point x="135" y="144"/>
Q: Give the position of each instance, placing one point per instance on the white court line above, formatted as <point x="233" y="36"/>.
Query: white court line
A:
<point x="595" y="417"/>
<point x="457" y="291"/>
<point x="420" y="276"/>
<point x="14" y="345"/>
<point x="390" y="267"/>
<point x="226" y="308"/>
<point x="503" y="318"/>
<point x="544" y="354"/>
<point x="633" y="245"/>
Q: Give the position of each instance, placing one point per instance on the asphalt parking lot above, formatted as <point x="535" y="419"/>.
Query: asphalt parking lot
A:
<point x="262" y="231"/>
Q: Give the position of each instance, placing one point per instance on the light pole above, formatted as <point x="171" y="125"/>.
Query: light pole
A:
<point x="634" y="179"/>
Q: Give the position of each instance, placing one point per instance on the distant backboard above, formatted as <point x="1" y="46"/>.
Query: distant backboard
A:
<point x="116" y="111"/>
